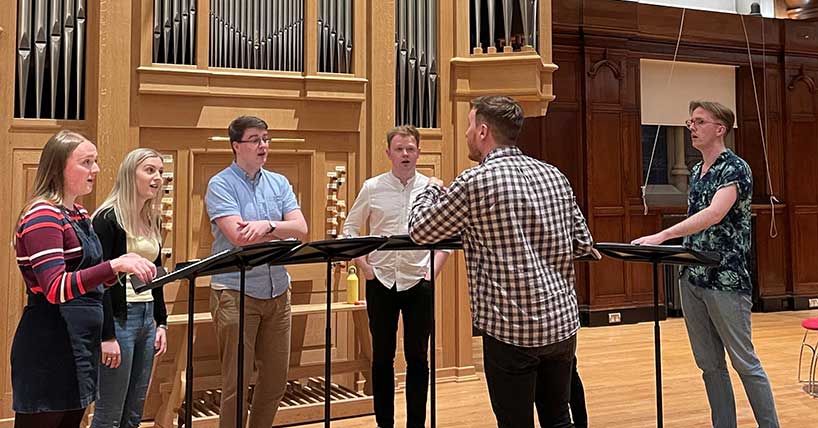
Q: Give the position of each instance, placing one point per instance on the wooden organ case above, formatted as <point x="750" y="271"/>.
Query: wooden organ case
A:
<point x="329" y="78"/>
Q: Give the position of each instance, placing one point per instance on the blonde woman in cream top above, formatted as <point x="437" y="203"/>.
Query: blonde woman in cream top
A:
<point x="134" y="330"/>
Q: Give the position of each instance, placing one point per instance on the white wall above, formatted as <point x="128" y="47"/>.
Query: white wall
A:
<point x="731" y="6"/>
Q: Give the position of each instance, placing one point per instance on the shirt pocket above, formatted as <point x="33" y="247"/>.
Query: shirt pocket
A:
<point x="271" y="207"/>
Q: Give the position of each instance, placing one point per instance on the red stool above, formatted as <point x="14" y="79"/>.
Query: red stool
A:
<point x="809" y="324"/>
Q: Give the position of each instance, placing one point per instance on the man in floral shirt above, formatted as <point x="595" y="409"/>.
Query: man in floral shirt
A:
<point x="716" y="301"/>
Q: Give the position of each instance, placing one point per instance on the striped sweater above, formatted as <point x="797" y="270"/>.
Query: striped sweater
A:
<point x="49" y="252"/>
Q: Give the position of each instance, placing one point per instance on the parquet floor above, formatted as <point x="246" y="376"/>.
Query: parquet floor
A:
<point x="616" y="365"/>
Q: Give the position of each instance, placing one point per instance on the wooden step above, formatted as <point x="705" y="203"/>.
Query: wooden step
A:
<point x="303" y="402"/>
<point x="308" y="309"/>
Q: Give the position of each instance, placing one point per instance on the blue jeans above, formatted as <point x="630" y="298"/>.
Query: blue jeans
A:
<point x="717" y="321"/>
<point x="122" y="390"/>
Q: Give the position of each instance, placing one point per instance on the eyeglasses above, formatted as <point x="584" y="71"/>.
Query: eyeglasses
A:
<point x="256" y="141"/>
<point x="699" y="122"/>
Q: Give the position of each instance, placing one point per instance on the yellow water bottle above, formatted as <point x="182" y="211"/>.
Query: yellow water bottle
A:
<point x="352" y="285"/>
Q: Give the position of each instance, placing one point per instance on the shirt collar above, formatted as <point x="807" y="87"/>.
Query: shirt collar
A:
<point x="723" y="156"/>
<point x="395" y="180"/>
<point x="502" y="151"/>
<point x="241" y="173"/>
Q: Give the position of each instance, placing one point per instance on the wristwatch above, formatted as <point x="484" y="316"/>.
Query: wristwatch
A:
<point x="162" y="326"/>
<point x="272" y="227"/>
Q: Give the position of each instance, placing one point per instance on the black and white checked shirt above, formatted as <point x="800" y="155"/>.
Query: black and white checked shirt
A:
<point x="521" y="229"/>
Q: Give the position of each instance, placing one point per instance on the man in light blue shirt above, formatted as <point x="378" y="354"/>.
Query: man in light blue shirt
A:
<point x="248" y="204"/>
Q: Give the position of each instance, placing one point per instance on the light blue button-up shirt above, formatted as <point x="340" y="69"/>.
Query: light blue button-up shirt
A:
<point x="267" y="196"/>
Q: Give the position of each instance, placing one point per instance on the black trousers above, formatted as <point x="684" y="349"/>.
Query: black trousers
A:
<point x="65" y="419"/>
<point x="383" y="306"/>
<point x="578" y="411"/>
<point x="519" y="378"/>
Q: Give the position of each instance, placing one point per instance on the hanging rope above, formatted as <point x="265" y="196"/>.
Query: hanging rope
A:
<point x="659" y="127"/>
<point x="762" y="125"/>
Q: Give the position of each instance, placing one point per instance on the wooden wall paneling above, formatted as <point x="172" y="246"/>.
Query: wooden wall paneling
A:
<point x="615" y="16"/>
<point x="561" y="139"/>
<point x="108" y="107"/>
<point x="805" y="230"/>
<point x="801" y="156"/>
<point x="607" y="277"/>
<point x="604" y="75"/>
<point x="24" y="168"/>
<point x="605" y="169"/>
<point x="639" y="276"/>
<point x="772" y="260"/>
<point x="800" y="38"/>
<point x="561" y="146"/>
<point x="530" y="138"/>
<point x="453" y="43"/>
<point x="311" y="36"/>
<point x="143" y="34"/>
<point x="381" y="89"/>
<point x="632" y="179"/>
<point x="562" y="131"/>
<point x="611" y="34"/>
<point x="199" y="112"/>
<point x="774" y="121"/>
<point x="12" y="278"/>
<point x="771" y="276"/>
<point x="749" y="143"/>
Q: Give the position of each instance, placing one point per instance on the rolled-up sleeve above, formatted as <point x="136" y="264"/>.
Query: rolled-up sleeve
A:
<point x="220" y="199"/>
<point x="289" y="202"/>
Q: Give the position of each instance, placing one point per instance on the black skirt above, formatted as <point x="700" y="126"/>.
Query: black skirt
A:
<point x="55" y="354"/>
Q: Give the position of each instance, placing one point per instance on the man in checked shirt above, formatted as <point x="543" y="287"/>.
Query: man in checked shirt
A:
<point x="521" y="230"/>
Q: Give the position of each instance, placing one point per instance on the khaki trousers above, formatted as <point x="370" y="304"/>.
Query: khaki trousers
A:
<point x="267" y="326"/>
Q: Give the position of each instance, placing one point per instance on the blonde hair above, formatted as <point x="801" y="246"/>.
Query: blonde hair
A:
<point x="123" y="198"/>
<point x="49" y="183"/>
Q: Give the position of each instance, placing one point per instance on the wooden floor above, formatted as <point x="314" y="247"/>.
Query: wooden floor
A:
<point x="616" y="365"/>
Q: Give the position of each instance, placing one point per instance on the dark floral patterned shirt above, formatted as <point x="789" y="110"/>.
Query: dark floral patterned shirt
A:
<point x="731" y="237"/>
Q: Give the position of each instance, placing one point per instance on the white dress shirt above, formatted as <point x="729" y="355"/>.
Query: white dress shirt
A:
<point x="384" y="203"/>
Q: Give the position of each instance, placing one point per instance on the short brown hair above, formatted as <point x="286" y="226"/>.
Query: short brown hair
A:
<point x="503" y="115"/>
<point x="240" y="124"/>
<point x="721" y="112"/>
<point x="404" y="131"/>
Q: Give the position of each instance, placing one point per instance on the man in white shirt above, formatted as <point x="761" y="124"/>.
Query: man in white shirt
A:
<point x="396" y="281"/>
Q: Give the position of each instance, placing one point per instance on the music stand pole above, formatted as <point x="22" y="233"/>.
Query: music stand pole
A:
<point x="240" y="369"/>
<point x="191" y="280"/>
<point x="327" y="346"/>
<point x="656" y="255"/>
<point x="329" y="251"/>
<point x="432" y="362"/>
<point x="657" y="345"/>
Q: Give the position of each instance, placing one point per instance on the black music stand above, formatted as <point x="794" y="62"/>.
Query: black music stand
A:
<point x="329" y="251"/>
<point x="405" y="243"/>
<point x="232" y="260"/>
<point x="655" y="255"/>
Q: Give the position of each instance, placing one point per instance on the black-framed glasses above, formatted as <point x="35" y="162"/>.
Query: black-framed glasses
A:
<point x="699" y="122"/>
<point x="256" y="141"/>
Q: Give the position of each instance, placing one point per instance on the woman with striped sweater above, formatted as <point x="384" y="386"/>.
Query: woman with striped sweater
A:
<point x="55" y="353"/>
